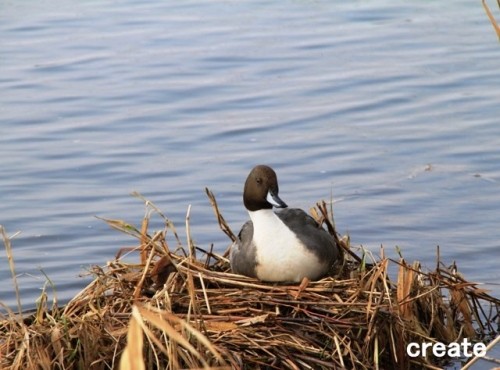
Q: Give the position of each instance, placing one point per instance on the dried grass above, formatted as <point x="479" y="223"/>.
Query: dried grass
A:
<point x="493" y="22"/>
<point x="172" y="310"/>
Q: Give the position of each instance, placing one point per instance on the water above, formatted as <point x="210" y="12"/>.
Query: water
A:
<point x="392" y="108"/>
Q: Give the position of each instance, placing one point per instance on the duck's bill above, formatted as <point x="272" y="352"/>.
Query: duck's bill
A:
<point x="275" y="200"/>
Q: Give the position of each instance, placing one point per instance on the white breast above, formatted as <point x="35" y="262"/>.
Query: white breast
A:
<point x="281" y="256"/>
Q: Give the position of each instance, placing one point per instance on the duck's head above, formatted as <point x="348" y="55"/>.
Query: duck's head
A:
<point x="261" y="189"/>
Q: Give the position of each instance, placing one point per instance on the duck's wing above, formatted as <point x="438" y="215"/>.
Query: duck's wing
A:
<point x="243" y="252"/>
<point x="314" y="237"/>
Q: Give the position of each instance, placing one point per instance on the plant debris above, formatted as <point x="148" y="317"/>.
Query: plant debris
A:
<point x="175" y="310"/>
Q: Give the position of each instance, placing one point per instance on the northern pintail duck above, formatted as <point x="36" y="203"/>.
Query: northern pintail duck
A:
<point x="279" y="247"/>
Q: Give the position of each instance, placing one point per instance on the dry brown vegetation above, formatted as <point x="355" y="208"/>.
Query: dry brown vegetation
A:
<point x="181" y="307"/>
<point x="494" y="23"/>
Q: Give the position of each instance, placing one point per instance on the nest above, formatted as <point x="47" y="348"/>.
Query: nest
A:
<point x="183" y="308"/>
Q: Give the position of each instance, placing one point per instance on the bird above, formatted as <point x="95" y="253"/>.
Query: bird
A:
<point x="286" y="246"/>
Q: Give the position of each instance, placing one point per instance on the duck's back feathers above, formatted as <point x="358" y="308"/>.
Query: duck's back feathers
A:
<point x="312" y="235"/>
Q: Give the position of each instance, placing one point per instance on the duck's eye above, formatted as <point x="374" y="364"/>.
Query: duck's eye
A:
<point x="259" y="180"/>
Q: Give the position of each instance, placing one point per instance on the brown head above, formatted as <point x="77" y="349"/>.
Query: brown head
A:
<point x="261" y="189"/>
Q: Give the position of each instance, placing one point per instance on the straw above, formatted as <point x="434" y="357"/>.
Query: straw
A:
<point x="493" y="22"/>
<point x="175" y="309"/>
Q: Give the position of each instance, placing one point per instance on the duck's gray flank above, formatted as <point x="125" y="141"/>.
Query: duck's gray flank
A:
<point x="243" y="260"/>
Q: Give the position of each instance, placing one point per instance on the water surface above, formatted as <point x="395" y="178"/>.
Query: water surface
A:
<point x="390" y="108"/>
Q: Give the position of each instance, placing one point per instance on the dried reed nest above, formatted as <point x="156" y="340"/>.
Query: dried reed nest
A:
<point x="182" y="308"/>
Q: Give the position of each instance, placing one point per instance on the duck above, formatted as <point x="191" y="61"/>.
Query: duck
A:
<point x="285" y="246"/>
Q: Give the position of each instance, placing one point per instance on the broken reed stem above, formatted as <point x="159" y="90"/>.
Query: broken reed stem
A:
<point x="132" y="356"/>
<point x="330" y="224"/>
<point x="220" y="219"/>
<point x="144" y="231"/>
<point x="492" y="344"/>
<point x="147" y="263"/>
<point x="168" y="222"/>
<point x="493" y="22"/>
<point x="205" y="293"/>
<point x="192" y="249"/>
<point x="10" y="258"/>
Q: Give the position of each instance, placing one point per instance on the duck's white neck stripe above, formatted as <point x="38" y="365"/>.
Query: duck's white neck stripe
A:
<point x="271" y="200"/>
<point x="266" y="224"/>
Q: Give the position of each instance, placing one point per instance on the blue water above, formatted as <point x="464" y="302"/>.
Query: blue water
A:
<point x="392" y="108"/>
